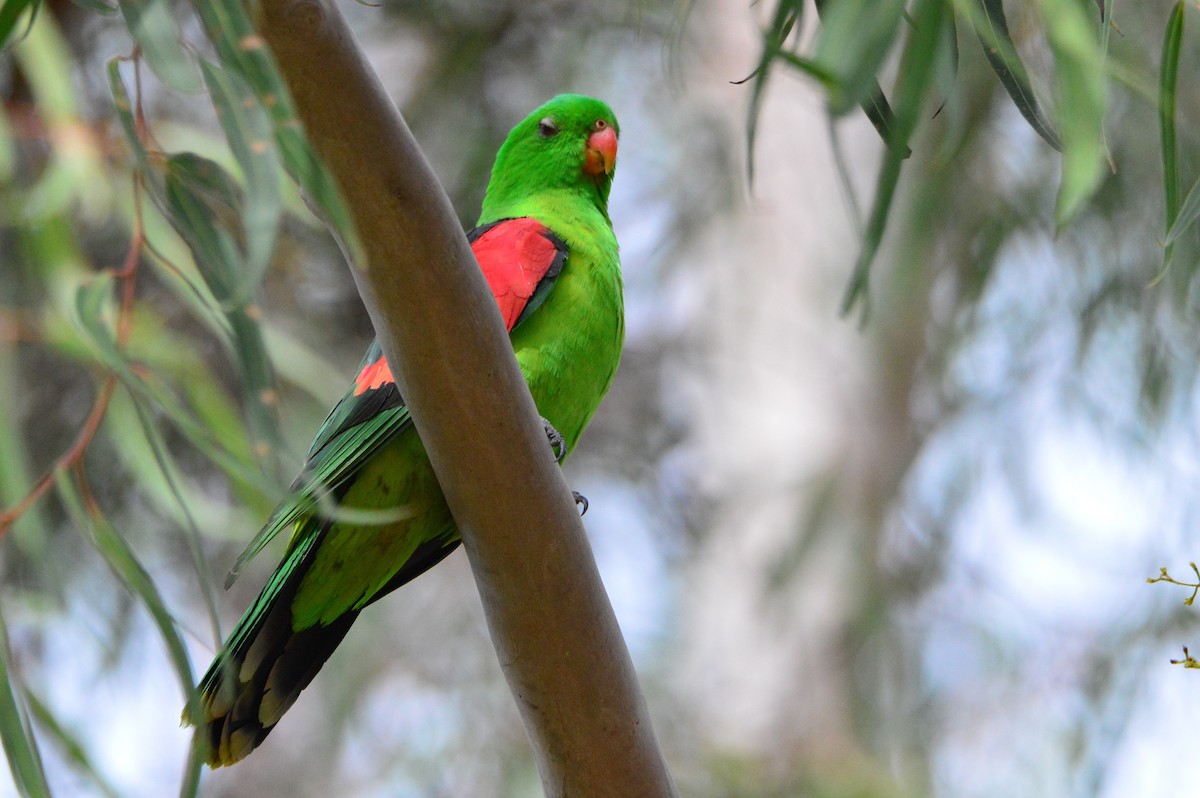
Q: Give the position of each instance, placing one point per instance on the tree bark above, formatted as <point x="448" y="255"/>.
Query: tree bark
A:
<point x="550" y="620"/>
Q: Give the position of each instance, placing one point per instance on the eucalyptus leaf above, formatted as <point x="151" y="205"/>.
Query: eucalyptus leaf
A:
<point x="242" y="51"/>
<point x="133" y="575"/>
<point x="204" y="205"/>
<point x="1083" y="100"/>
<point x="91" y="300"/>
<point x="854" y="40"/>
<point x="20" y="746"/>
<point x="787" y="14"/>
<point x="1167" y="83"/>
<point x="248" y="130"/>
<point x="10" y="15"/>
<point x="918" y="63"/>
<point x="992" y="29"/>
<point x="156" y="32"/>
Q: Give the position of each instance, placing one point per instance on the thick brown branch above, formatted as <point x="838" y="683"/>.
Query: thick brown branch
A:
<point x="550" y="620"/>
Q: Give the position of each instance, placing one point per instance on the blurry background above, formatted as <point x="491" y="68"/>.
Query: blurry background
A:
<point x="894" y="554"/>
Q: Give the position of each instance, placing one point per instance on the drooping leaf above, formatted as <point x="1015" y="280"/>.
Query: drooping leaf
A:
<point x="783" y="21"/>
<point x="10" y="15"/>
<point x="20" y="746"/>
<point x="207" y="208"/>
<point x="204" y="204"/>
<point x="992" y="29"/>
<point x="873" y="103"/>
<point x="249" y="133"/>
<point x="129" y="570"/>
<point x="137" y="580"/>
<point x="170" y="474"/>
<point x="854" y="40"/>
<point x="156" y="32"/>
<point x="876" y="107"/>
<point x="1083" y="101"/>
<point x="1167" y="82"/>
<point x="92" y="307"/>
<point x="914" y="78"/>
<point x="242" y="51"/>
<point x="169" y="256"/>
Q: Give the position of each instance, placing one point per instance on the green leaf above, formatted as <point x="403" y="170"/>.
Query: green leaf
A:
<point x="242" y="51"/>
<point x="133" y="575"/>
<point x="854" y="40"/>
<point x="170" y="474"/>
<point x="248" y="130"/>
<point x="10" y="15"/>
<point x="992" y="29"/>
<point x="873" y="103"/>
<point x="787" y="14"/>
<point x="204" y="204"/>
<point x="171" y="259"/>
<point x="156" y="32"/>
<point x="1167" y="82"/>
<point x="92" y="306"/>
<point x="137" y="580"/>
<point x="20" y="746"/>
<point x="879" y="113"/>
<point x="917" y="66"/>
<point x="1082" y="100"/>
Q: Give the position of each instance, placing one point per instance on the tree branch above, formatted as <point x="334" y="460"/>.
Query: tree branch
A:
<point x="552" y="626"/>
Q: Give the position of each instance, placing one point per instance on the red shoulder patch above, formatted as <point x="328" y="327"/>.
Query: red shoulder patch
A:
<point x="374" y="375"/>
<point x="515" y="255"/>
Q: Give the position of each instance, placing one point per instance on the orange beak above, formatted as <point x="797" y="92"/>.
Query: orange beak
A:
<point x="601" y="152"/>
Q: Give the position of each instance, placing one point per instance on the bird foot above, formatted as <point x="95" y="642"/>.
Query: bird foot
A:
<point x="557" y="443"/>
<point x="580" y="500"/>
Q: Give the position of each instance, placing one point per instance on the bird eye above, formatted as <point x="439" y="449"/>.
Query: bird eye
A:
<point x="547" y="128"/>
<point x="600" y="124"/>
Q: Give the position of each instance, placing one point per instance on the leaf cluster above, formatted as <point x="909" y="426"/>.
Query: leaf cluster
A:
<point x="853" y="41"/>
<point x="203" y="226"/>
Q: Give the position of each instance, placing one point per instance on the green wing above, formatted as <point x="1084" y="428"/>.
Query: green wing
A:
<point x="366" y="418"/>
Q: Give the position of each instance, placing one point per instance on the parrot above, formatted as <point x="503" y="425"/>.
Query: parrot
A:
<point x="545" y="244"/>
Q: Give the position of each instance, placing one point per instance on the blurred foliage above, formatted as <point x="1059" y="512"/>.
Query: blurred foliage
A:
<point x="171" y="313"/>
<point x="854" y="41"/>
<point x="76" y="193"/>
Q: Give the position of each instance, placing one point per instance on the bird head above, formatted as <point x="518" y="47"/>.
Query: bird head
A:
<point x="568" y="143"/>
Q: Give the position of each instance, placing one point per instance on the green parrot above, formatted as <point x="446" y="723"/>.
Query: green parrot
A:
<point x="546" y="246"/>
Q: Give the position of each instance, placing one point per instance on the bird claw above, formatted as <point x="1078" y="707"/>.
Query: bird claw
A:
<point x="557" y="443"/>
<point x="559" y="446"/>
